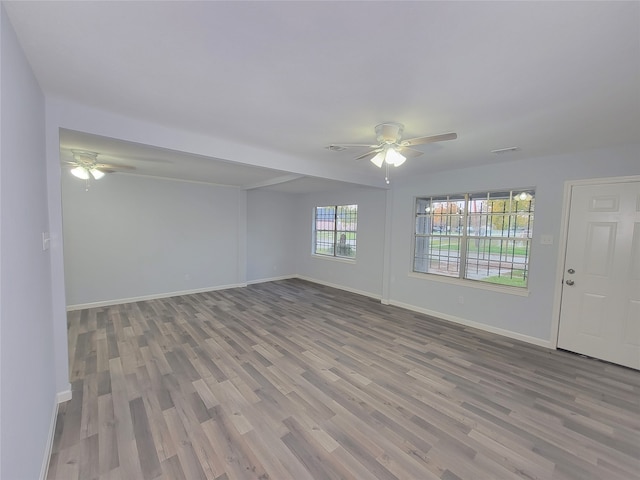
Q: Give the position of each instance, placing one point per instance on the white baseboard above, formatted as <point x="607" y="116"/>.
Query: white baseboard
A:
<point x="340" y="287"/>
<point x="272" y="279"/>
<point x="44" y="469"/>
<point x="480" y="326"/>
<point x="120" y="301"/>
<point x="62" y="397"/>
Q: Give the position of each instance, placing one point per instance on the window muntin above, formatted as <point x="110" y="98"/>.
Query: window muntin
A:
<point x="335" y="230"/>
<point x="480" y="236"/>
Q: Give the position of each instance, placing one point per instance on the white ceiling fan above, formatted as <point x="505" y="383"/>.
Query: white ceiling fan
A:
<point x="85" y="165"/>
<point x="391" y="149"/>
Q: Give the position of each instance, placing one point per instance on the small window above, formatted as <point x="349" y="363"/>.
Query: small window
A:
<point x="335" y="230"/>
<point x="481" y="236"/>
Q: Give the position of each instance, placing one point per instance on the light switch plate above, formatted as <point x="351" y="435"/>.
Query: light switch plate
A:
<point x="546" y="239"/>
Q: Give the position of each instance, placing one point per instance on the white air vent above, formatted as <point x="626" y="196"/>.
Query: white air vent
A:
<point x="500" y="151"/>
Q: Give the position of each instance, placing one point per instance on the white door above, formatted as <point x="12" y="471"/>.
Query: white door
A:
<point x="600" y="308"/>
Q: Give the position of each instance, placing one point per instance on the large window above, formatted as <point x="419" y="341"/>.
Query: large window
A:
<point x="479" y="236"/>
<point x="335" y="230"/>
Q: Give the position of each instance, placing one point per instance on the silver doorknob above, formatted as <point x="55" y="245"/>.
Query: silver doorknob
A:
<point x="571" y="270"/>
<point x="569" y="282"/>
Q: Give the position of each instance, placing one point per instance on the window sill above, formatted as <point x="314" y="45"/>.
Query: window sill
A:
<point x="518" y="291"/>
<point x="334" y="259"/>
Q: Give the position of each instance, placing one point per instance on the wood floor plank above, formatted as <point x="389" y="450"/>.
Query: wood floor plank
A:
<point x="147" y="452"/>
<point x="188" y="460"/>
<point x="172" y="469"/>
<point x="291" y="380"/>
<point x="126" y="443"/>
<point x="89" y="422"/>
<point x="271" y="459"/>
<point x="315" y="460"/>
<point x="89" y="458"/>
<point x="237" y="460"/>
<point x="107" y="441"/>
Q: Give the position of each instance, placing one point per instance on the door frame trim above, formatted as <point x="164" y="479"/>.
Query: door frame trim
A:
<point x="564" y="234"/>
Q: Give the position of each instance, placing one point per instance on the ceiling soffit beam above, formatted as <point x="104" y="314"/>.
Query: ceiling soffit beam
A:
<point x="273" y="181"/>
<point x="70" y="115"/>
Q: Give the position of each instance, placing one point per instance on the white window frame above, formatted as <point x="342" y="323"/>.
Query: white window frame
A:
<point x="463" y="233"/>
<point x="346" y="245"/>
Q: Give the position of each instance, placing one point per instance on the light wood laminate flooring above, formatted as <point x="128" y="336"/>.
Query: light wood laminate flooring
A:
<point x="291" y="380"/>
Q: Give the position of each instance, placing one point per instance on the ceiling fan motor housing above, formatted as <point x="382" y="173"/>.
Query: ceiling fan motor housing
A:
<point x="389" y="132"/>
<point x="85" y="158"/>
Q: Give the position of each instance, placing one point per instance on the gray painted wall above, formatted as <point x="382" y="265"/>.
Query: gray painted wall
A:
<point x="365" y="274"/>
<point x="27" y="362"/>
<point x="271" y="240"/>
<point x="129" y="237"/>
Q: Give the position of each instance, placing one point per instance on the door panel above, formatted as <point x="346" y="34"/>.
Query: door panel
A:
<point x="600" y="308"/>
<point x="592" y="310"/>
<point x="632" y="325"/>
<point x="635" y="253"/>
<point x="599" y="248"/>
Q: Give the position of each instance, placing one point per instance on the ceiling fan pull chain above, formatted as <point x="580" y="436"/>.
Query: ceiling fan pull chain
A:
<point x="386" y="178"/>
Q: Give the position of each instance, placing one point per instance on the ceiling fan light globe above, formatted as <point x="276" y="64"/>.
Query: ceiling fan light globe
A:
<point x="400" y="161"/>
<point x="80" y="172"/>
<point x="524" y="196"/>
<point x="394" y="157"/>
<point x="97" y="174"/>
<point x="378" y="159"/>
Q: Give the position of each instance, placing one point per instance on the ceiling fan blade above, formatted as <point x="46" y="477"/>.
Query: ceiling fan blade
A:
<point x="410" y="152"/>
<point x="429" y="139"/>
<point x="113" y="167"/>
<point x="98" y="166"/>
<point x="348" y="145"/>
<point x="369" y="155"/>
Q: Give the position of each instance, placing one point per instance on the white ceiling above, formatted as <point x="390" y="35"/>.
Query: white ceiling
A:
<point x="294" y="77"/>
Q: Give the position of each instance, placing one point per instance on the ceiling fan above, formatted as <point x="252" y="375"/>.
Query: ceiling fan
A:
<point x="85" y="165"/>
<point x="391" y="149"/>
